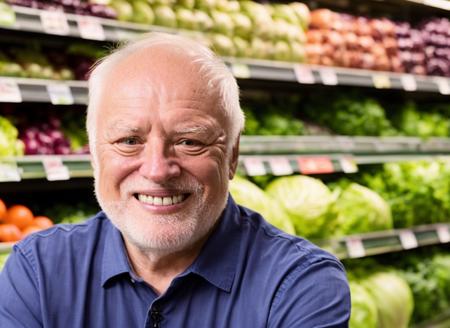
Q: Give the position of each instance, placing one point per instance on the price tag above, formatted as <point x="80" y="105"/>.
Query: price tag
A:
<point x="90" y="28"/>
<point x="408" y="239"/>
<point x="7" y="15"/>
<point x="9" y="172"/>
<point x="54" y="22"/>
<point x="328" y="76"/>
<point x="55" y="170"/>
<point x="348" y="164"/>
<point x="443" y="234"/>
<point x="315" y="165"/>
<point x="60" y="94"/>
<point x="254" y="166"/>
<point x="443" y="4"/>
<point x="9" y="91"/>
<point x="443" y="85"/>
<point x="304" y="75"/>
<point x="280" y="166"/>
<point x="408" y="82"/>
<point x="381" y="81"/>
<point x="241" y="71"/>
<point x="355" y="247"/>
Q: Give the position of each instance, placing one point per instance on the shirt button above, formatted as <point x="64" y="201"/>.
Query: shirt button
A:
<point x="132" y="280"/>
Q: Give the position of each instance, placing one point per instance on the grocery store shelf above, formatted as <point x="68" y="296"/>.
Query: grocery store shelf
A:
<point x="18" y="90"/>
<point x="333" y="76"/>
<point x="261" y="155"/>
<point x="389" y="241"/>
<point x="28" y="19"/>
<point x="52" y="167"/>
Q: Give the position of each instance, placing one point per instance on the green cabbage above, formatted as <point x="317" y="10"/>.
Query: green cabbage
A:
<point x="10" y="145"/>
<point x="360" y="209"/>
<point x="307" y="201"/>
<point x="393" y="298"/>
<point x="364" y="310"/>
<point x="250" y="195"/>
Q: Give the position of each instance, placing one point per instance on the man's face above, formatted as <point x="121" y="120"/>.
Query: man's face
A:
<point x="163" y="160"/>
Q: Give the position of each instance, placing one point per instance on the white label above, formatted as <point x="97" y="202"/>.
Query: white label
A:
<point x="443" y="4"/>
<point x="9" y="172"/>
<point x="280" y="166"/>
<point x="9" y="91"/>
<point x="348" y="165"/>
<point x="408" y="82"/>
<point x="90" y="28"/>
<point x="304" y="74"/>
<point x="443" y="85"/>
<point x="54" y="22"/>
<point x="241" y="71"/>
<point x="355" y="247"/>
<point x="254" y="166"/>
<point x="60" y="94"/>
<point x="408" y="239"/>
<point x="328" y="76"/>
<point x="443" y="234"/>
<point x="55" y="170"/>
<point x="381" y="81"/>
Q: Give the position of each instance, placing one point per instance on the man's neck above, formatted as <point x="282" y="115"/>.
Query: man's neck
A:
<point x="158" y="269"/>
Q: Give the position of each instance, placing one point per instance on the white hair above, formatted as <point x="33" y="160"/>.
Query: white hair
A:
<point x="212" y="67"/>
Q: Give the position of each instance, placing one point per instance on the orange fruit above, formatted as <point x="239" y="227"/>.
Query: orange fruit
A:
<point x="42" y="222"/>
<point x="2" y="210"/>
<point x="9" y="232"/>
<point x="29" y="230"/>
<point x="19" y="215"/>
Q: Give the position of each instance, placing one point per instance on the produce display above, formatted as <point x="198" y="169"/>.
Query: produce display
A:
<point x="18" y="221"/>
<point x="35" y="61"/>
<point x="10" y="145"/>
<point x="415" y="291"/>
<point x="80" y="7"/>
<point x="336" y="39"/>
<point x="42" y="133"/>
<point x="418" y="192"/>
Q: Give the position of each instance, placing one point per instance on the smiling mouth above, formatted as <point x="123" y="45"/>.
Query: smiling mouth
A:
<point x="161" y="201"/>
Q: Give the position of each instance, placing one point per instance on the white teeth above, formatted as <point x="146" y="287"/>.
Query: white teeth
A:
<point x="160" y="201"/>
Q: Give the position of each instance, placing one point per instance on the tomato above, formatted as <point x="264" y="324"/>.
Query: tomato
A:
<point x="2" y="210"/>
<point x="19" y="215"/>
<point x="9" y="232"/>
<point x="42" y="222"/>
<point x="29" y="230"/>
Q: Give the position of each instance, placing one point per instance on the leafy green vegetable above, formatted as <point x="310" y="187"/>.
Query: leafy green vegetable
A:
<point x="418" y="192"/>
<point x="364" y="310"/>
<point x="350" y="114"/>
<point x="359" y="210"/>
<point x="250" y="195"/>
<point x="393" y="299"/>
<point x="307" y="201"/>
<point x="10" y="145"/>
<point x="413" y="122"/>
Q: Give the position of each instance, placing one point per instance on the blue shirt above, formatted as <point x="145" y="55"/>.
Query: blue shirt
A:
<point x="248" y="274"/>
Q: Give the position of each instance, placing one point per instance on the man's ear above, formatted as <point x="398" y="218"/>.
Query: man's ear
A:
<point x="234" y="159"/>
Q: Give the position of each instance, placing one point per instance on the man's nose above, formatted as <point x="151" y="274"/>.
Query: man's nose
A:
<point x="159" y="163"/>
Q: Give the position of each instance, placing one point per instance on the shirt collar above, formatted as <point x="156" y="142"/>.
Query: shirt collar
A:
<point x="115" y="259"/>
<point x="218" y="259"/>
<point x="216" y="262"/>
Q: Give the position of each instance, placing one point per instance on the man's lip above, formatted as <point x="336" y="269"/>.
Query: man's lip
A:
<point x="161" y="193"/>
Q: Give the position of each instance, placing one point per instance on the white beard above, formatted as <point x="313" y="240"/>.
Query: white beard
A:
<point x="163" y="234"/>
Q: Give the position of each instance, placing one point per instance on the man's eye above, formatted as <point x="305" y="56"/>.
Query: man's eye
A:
<point x="129" y="141"/>
<point x="190" y="142"/>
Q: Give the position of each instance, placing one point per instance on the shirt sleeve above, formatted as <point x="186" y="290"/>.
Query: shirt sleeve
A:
<point x="316" y="295"/>
<point x="19" y="297"/>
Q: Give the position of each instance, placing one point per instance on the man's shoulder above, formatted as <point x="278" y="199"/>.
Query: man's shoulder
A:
<point x="61" y="236"/>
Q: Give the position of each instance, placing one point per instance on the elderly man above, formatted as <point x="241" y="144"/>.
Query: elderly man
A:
<point x="170" y="248"/>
